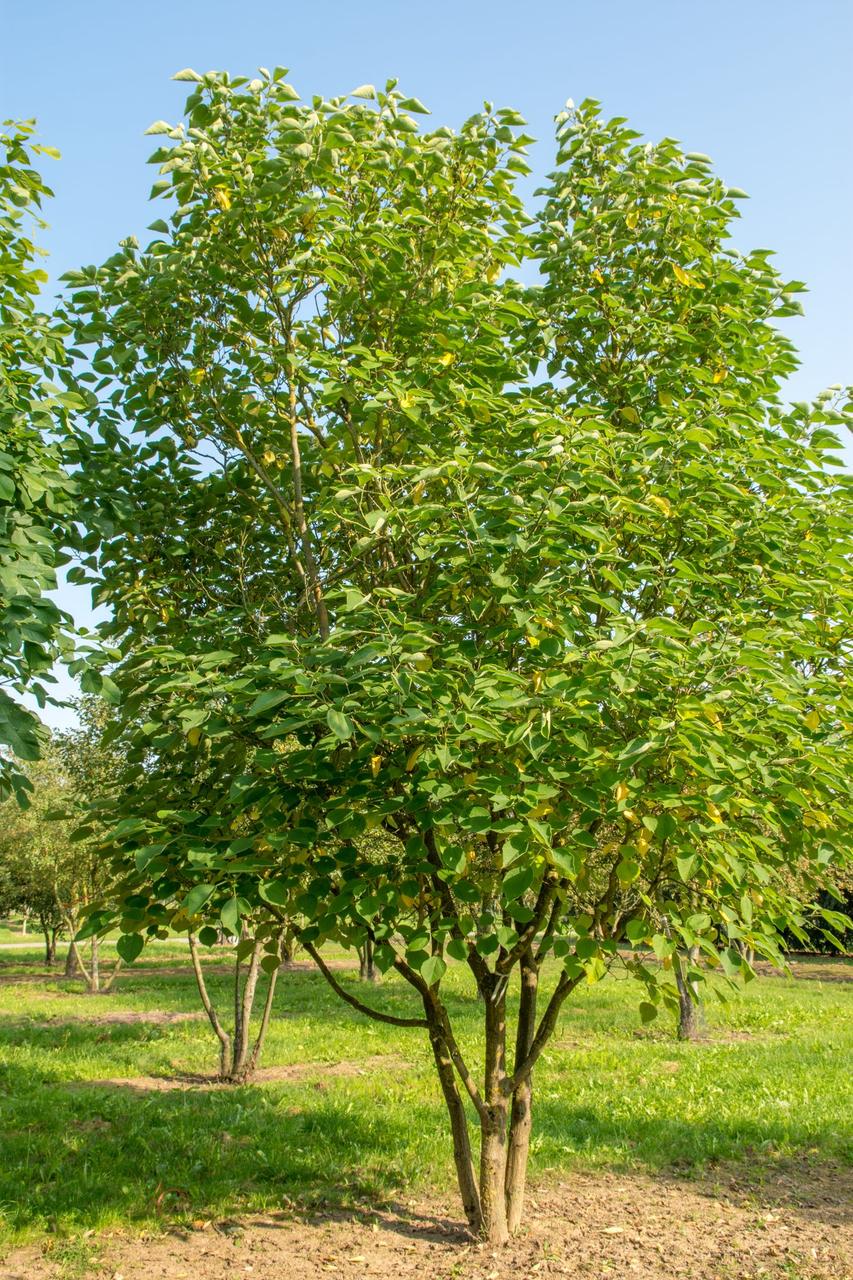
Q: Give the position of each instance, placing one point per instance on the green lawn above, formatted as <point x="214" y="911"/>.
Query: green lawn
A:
<point x="772" y="1081"/>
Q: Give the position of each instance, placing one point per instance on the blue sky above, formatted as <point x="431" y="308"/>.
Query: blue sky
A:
<point x="763" y="86"/>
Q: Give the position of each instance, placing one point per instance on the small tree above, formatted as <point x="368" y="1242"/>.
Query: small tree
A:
<point x="543" y="583"/>
<point x="239" y="1055"/>
<point x="36" y="857"/>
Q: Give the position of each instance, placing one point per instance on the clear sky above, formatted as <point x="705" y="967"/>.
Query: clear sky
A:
<point x="763" y="86"/>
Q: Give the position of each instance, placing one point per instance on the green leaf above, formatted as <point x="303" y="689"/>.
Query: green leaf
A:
<point x="516" y="882"/>
<point x="230" y="915"/>
<point x="129" y="945"/>
<point x="433" y="970"/>
<point x="197" y="897"/>
<point x="341" y="725"/>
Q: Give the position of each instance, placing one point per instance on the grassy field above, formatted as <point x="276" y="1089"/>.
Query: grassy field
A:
<point x="88" y="1144"/>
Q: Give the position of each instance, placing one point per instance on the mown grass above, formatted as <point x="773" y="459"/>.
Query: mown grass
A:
<point x="771" y="1081"/>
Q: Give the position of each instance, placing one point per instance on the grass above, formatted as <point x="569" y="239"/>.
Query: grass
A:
<point x="771" y="1082"/>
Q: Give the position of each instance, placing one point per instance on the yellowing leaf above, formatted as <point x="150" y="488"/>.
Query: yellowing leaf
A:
<point x="375" y="765"/>
<point x="663" y="504"/>
<point x="597" y="276"/>
<point x="407" y="400"/>
<point x="621" y="792"/>
<point x="632" y="218"/>
<point x="714" y="812"/>
<point x="813" y="720"/>
<point x="413" y="759"/>
<point x="537" y="681"/>
<point x="720" y="374"/>
<point x="630" y="815"/>
<point x="680" y="274"/>
<point x="194" y="737"/>
<point x="446" y="358"/>
<point x="665" y="399"/>
<point x="533" y="641"/>
<point x="222" y="196"/>
<point x="197" y="375"/>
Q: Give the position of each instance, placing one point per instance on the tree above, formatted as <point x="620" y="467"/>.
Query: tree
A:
<point x="36" y="856"/>
<point x="238" y="1054"/>
<point x="36" y="494"/>
<point x="90" y="757"/>
<point x="544" y="583"/>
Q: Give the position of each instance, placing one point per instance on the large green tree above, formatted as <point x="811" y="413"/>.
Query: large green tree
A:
<point x="36" y="495"/>
<point x="543" y="582"/>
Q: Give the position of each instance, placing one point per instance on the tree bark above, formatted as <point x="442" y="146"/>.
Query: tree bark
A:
<point x="265" y="1021"/>
<point x="49" y="945"/>
<point x="462" y="1156"/>
<point x="95" y="968"/>
<point x="221" y="1034"/>
<point x="72" y="968"/>
<point x="521" y="1116"/>
<point x="367" y="970"/>
<point x="240" y="1067"/>
<point x="689" y="1005"/>
<point x="493" y="1123"/>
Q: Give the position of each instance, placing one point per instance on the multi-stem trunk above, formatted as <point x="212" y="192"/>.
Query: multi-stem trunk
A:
<point x="238" y="1057"/>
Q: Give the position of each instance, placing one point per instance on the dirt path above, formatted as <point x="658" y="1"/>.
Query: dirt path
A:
<point x="584" y="1228"/>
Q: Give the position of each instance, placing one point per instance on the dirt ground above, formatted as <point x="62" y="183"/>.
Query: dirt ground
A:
<point x="797" y="1227"/>
<point x="316" y="1071"/>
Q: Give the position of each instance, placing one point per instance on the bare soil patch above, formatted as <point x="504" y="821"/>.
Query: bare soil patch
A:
<point x="812" y="970"/>
<point x="316" y="1071"/>
<point x="126" y="1018"/>
<point x="582" y="1228"/>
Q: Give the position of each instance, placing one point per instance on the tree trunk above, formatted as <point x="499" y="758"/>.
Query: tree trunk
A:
<point x="262" y="1030"/>
<point x="493" y="1123"/>
<point x="49" y="945"/>
<point x="462" y="1156"/>
<point x="95" y="968"/>
<point x="237" y="1063"/>
<point x="221" y="1034"/>
<point x="367" y="970"/>
<point x="240" y="1067"/>
<point x="521" y="1117"/>
<point x="689" y="1005"/>
<point x="72" y="967"/>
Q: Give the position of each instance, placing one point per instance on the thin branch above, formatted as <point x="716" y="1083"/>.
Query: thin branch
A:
<point x="351" y="1000"/>
<point x="222" y="1035"/>
<point x="543" y="1033"/>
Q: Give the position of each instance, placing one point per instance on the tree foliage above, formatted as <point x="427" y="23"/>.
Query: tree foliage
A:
<point x="35" y="491"/>
<point x="542" y="582"/>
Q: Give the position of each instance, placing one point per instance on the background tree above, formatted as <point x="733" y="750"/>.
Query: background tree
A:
<point x="90" y="758"/>
<point x="37" y="859"/>
<point x="543" y="583"/>
<point x="36" y="494"/>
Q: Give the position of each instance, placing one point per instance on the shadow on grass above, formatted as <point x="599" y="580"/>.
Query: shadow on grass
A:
<point x="75" y="1158"/>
